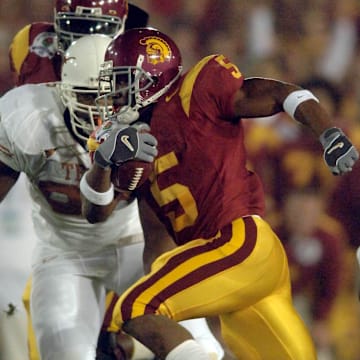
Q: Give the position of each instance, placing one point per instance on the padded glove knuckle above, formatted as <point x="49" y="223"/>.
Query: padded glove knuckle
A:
<point x="339" y="153"/>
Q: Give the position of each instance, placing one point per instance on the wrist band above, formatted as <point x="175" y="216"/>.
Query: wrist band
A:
<point x="95" y="197"/>
<point x="295" y="98"/>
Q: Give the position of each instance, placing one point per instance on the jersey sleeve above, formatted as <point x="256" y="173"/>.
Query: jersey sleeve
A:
<point x="214" y="81"/>
<point x="26" y="113"/>
<point x="14" y="142"/>
<point x="9" y="154"/>
<point x="33" y="55"/>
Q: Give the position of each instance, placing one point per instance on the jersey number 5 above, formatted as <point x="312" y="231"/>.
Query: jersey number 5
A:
<point x="175" y="192"/>
<point x="221" y="60"/>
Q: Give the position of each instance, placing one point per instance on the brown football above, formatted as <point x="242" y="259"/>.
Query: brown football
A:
<point x="131" y="174"/>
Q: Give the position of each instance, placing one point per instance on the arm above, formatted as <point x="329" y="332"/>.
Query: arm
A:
<point x="98" y="179"/>
<point x="157" y="239"/>
<point x="8" y="178"/>
<point x="122" y="144"/>
<point x="259" y="97"/>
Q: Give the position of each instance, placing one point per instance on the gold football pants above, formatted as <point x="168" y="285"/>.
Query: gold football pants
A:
<point x="241" y="275"/>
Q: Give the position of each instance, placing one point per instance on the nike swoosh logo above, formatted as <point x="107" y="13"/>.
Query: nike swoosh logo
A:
<point x="125" y="140"/>
<point x="169" y="97"/>
<point x="337" y="146"/>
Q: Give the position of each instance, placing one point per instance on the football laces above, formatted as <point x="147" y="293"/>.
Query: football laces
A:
<point x="136" y="178"/>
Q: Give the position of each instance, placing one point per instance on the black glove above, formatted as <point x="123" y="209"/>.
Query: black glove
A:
<point x="126" y="143"/>
<point x="339" y="153"/>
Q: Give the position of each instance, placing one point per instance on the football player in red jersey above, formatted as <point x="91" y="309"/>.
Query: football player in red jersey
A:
<point x="228" y="261"/>
<point x="35" y="53"/>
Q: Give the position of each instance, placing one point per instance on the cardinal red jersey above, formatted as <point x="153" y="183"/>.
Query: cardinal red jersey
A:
<point x="33" y="55"/>
<point x="201" y="182"/>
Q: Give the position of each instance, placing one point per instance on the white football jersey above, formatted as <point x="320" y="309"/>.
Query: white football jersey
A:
<point x="35" y="140"/>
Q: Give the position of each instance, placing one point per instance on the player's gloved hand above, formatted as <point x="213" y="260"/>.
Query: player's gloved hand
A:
<point x="125" y="143"/>
<point x="339" y="153"/>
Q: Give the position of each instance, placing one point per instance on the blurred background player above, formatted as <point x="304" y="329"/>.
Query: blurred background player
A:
<point x="344" y="205"/>
<point x="315" y="256"/>
<point x="36" y="51"/>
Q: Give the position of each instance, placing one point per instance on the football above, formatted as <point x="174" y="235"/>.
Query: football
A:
<point x="131" y="174"/>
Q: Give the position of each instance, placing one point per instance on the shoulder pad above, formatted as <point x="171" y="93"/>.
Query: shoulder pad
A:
<point x="30" y="114"/>
<point x="33" y="54"/>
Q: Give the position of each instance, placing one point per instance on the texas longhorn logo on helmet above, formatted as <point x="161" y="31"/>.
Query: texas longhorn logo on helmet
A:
<point x="157" y="49"/>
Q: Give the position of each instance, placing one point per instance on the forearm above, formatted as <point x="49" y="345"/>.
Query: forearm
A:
<point x="339" y="153"/>
<point x="99" y="180"/>
<point x="121" y="144"/>
<point x="264" y="97"/>
<point x="313" y="115"/>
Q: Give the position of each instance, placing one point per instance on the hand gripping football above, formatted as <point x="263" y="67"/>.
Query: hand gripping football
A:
<point x="130" y="175"/>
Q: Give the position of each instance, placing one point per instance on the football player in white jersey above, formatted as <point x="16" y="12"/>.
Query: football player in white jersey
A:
<point x="43" y="132"/>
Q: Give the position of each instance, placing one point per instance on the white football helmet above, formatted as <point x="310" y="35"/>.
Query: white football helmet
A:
<point x="79" y="82"/>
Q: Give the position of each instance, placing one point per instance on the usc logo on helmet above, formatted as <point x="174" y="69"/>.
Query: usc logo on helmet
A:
<point x="157" y="49"/>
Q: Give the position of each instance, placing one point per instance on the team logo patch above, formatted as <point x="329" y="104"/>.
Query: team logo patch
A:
<point x="157" y="50"/>
<point x="44" y="45"/>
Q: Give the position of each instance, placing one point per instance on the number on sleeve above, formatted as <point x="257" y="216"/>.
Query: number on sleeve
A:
<point x="229" y="66"/>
